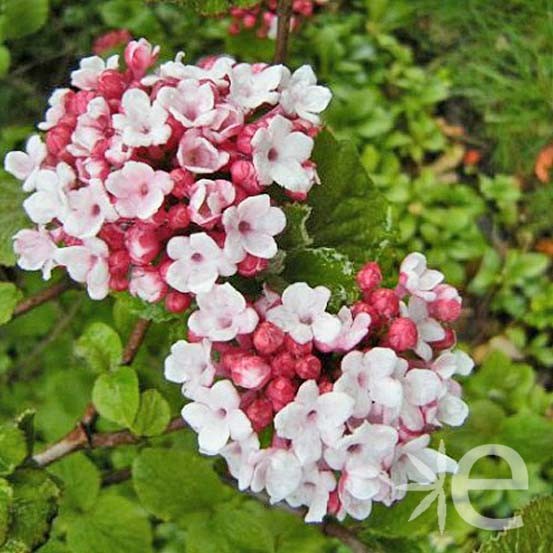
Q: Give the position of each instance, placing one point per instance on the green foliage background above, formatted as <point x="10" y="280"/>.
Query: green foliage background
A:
<point x="405" y="75"/>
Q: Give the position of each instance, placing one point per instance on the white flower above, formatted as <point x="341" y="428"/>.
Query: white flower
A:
<point x="88" y="263"/>
<point x="216" y="416"/>
<point x="240" y="459"/>
<point x="49" y="201"/>
<point x="417" y="279"/>
<point x="90" y="69"/>
<point x="190" y="365"/>
<point x="453" y="362"/>
<point x="199" y="262"/>
<point x="92" y="127"/>
<point x="250" y="89"/>
<point x="208" y="199"/>
<point x="428" y="329"/>
<point x="313" y="491"/>
<point x="141" y="123"/>
<point x="56" y="110"/>
<point x="421" y="386"/>
<point x="190" y="103"/>
<point x="369" y="377"/>
<point x="279" y="153"/>
<point x="302" y="96"/>
<point x="452" y="410"/>
<point x="351" y="333"/>
<point x="199" y="155"/>
<point x="313" y="419"/>
<point x="35" y="250"/>
<point x="250" y="228"/>
<point x="302" y="314"/>
<point x="139" y="190"/>
<point x="146" y="283"/>
<point x="88" y="208"/>
<point x="222" y="315"/>
<point x="26" y="165"/>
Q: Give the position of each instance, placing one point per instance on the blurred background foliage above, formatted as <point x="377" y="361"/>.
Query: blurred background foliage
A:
<point x="450" y="106"/>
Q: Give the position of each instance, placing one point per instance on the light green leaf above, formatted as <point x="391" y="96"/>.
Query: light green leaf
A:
<point x="153" y="414"/>
<point x="115" y="524"/>
<point x="171" y="484"/>
<point x="152" y="311"/>
<point x="13" y="448"/>
<point x="5" y="59"/>
<point x="9" y="297"/>
<point x="19" y="18"/>
<point x="116" y="396"/>
<point x="12" y="216"/>
<point x="6" y="495"/>
<point x="100" y="346"/>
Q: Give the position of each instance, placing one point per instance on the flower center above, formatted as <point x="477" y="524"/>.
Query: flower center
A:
<point x="244" y="226"/>
<point x="197" y="257"/>
<point x="273" y="154"/>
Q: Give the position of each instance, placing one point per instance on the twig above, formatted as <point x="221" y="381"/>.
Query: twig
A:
<point x="345" y="535"/>
<point x="135" y="340"/>
<point x="42" y="297"/>
<point x="284" y="13"/>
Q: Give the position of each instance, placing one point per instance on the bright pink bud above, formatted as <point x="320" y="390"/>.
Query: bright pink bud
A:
<point x="296" y="196"/>
<point x="110" y="40"/>
<point x="281" y="391"/>
<point x="369" y="277"/>
<point x="297" y="350"/>
<point x="178" y="217"/>
<point x="447" y="306"/>
<point x="284" y="364"/>
<point x="113" y="236"/>
<point x="183" y="180"/>
<point x="119" y="263"/>
<point x="175" y="302"/>
<point x="118" y="283"/>
<point x="309" y="368"/>
<point x="448" y="341"/>
<point x="267" y="338"/>
<point x="251" y="266"/>
<point x="250" y="371"/>
<point x="142" y="243"/>
<point x="244" y="175"/>
<point x="112" y="84"/>
<point x="244" y="139"/>
<point x="139" y="56"/>
<point x="402" y="334"/>
<point x="362" y="307"/>
<point x="77" y="104"/>
<point x="385" y="302"/>
<point x="260" y="413"/>
<point x="325" y="386"/>
<point x="58" y="138"/>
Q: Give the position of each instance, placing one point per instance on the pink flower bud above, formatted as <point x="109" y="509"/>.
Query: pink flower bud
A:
<point x="402" y="334"/>
<point x="183" y="180"/>
<point x="77" y="104"/>
<point x="57" y="139"/>
<point x="175" y="302"/>
<point x="281" y="391"/>
<point x="296" y="196"/>
<point x="244" y="139"/>
<point x="385" y="302"/>
<point x="110" y="40"/>
<point x="250" y="371"/>
<point x="244" y="175"/>
<point x="147" y="284"/>
<point x="260" y="413"/>
<point x="297" y="350"/>
<point x="325" y="386"/>
<point x="267" y="338"/>
<point x="113" y="236"/>
<point x="447" y="342"/>
<point x="178" y="217"/>
<point x="112" y="84"/>
<point x="251" y="265"/>
<point x="139" y="56"/>
<point x="142" y="243"/>
<point x="119" y="263"/>
<point x="369" y="277"/>
<point x="309" y="367"/>
<point x="284" y="364"/>
<point x="447" y="306"/>
<point x="118" y="283"/>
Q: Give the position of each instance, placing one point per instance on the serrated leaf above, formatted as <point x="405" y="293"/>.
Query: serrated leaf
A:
<point x="12" y="216"/>
<point x="116" y="396"/>
<point x="13" y="448"/>
<point x="22" y="17"/>
<point x="34" y="505"/>
<point x="349" y="213"/>
<point x="100" y="346"/>
<point x="171" y="484"/>
<point x="115" y="524"/>
<point x="323" y="266"/>
<point x="535" y="536"/>
<point x="153" y="414"/>
<point x="9" y="296"/>
<point x="81" y="481"/>
<point x="295" y="235"/>
<point x="151" y="311"/>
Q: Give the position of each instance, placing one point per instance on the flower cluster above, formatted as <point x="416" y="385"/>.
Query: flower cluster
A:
<point x="264" y="18"/>
<point x="344" y="403"/>
<point x="156" y="183"/>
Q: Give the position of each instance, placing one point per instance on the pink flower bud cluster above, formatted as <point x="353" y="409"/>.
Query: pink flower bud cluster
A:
<point x="156" y="183"/>
<point x="347" y="401"/>
<point x="264" y="19"/>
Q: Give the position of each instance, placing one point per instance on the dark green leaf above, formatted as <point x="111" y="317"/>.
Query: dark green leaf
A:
<point x="295" y="234"/>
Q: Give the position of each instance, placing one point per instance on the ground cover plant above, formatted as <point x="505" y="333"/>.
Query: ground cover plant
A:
<point x="243" y="353"/>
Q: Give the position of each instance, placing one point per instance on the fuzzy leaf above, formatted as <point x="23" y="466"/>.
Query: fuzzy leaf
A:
<point x="153" y="414"/>
<point x="100" y="346"/>
<point x="116" y="396"/>
<point x="9" y="296"/>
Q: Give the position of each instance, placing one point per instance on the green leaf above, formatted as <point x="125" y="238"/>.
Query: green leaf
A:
<point x="13" y="448"/>
<point x="81" y="481"/>
<point x="100" y="346"/>
<point x="295" y="234"/>
<point x="5" y="59"/>
<point x="153" y="414"/>
<point x="116" y="396"/>
<point x="115" y="524"/>
<point x="535" y="536"/>
<point x="12" y="216"/>
<point x="171" y="483"/>
<point x="214" y="7"/>
<point x="6" y="495"/>
<point x="19" y="18"/>
<point x="323" y="266"/>
<point x="14" y="546"/>
<point x="35" y="503"/>
<point x="349" y="213"/>
<point x="9" y="297"/>
<point x="155" y="312"/>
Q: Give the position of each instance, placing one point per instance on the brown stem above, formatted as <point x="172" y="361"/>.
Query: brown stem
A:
<point x="345" y="535"/>
<point x="284" y="13"/>
<point x="135" y="341"/>
<point x="42" y="297"/>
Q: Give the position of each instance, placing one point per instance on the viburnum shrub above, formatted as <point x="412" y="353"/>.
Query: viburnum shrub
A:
<point x="168" y="184"/>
